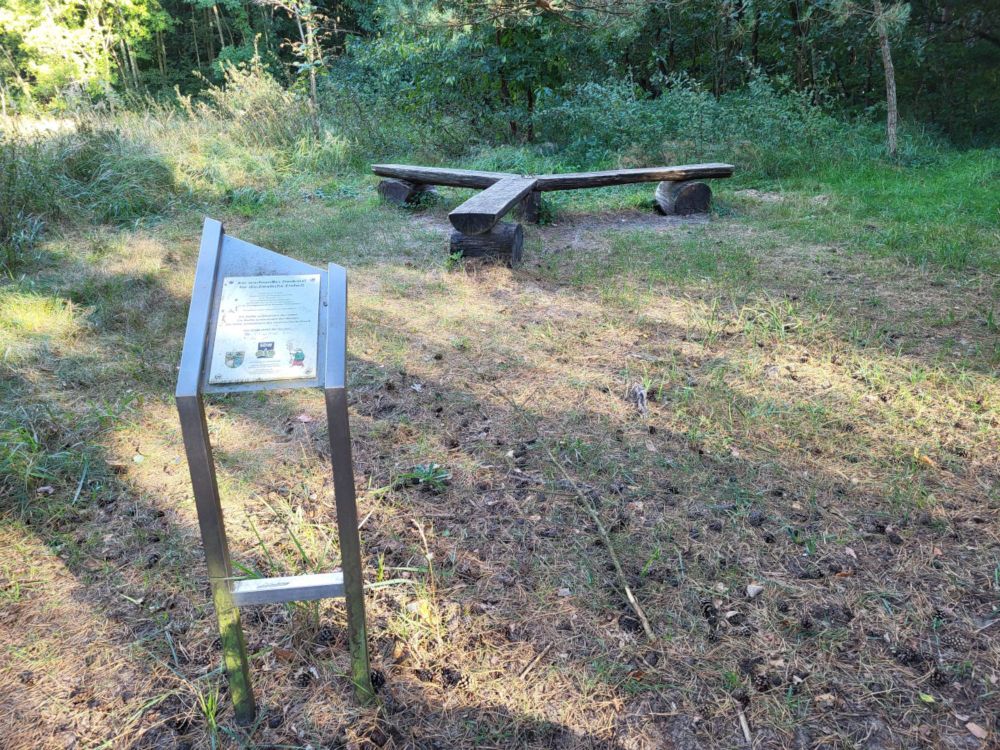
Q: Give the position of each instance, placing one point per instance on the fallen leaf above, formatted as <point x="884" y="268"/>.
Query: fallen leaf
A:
<point x="46" y="490"/>
<point x="304" y="418"/>
<point x="754" y="590"/>
<point x="825" y="700"/>
<point x="564" y="592"/>
<point x="283" y="654"/>
<point x="977" y="730"/>
<point x="926" y="698"/>
<point x="850" y="553"/>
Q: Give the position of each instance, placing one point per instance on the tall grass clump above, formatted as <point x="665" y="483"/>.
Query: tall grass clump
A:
<point x="254" y="108"/>
<point x="248" y="134"/>
<point x="112" y="178"/>
<point x="25" y="186"/>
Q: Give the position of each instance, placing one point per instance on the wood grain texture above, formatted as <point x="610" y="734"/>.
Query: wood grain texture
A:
<point x="468" y="178"/>
<point x="576" y="180"/>
<point x="482" y="211"/>
<point x="504" y="244"/>
<point x="683" y="198"/>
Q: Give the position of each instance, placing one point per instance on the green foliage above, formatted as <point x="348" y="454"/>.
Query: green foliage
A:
<point x="766" y="132"/>
<point x="430" y="477"/>
<point x="257" y="110"/>
<point x="24" y="190"/>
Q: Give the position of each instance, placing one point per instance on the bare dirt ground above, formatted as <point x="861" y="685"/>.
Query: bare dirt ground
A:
<point x="792" y="449"/>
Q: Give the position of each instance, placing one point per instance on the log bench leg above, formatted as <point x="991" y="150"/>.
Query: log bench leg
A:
<point x="402" y="192"/>
<point x="504" y="243"/>
<point x="683" y="198"/>
<point x="530" y="207"/>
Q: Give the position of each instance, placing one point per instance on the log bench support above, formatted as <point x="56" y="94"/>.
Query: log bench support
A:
<point x="402" y="192"/>
<point x="683" y="198"/>
<point x="530" y="208"/>
<point x="504" y="243"/>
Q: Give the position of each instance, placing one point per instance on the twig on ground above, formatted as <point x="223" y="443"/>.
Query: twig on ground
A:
<point x="79" y="487"/>
<point x="744" y="725"/>
<point x="531" y="664"/>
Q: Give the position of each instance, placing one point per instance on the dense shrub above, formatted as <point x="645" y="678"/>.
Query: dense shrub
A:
<point x="766" y="132"/>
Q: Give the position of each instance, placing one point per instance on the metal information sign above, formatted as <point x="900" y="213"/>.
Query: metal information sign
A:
<point x="268" y="329"/>
<point x="259" y="320"/>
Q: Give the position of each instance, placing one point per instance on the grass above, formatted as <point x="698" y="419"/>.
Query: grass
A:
<point x="941" y="214"/>
<point x="820" y="418"/>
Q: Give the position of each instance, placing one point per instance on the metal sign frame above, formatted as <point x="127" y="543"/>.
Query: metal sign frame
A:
<point x="222" y="256"/>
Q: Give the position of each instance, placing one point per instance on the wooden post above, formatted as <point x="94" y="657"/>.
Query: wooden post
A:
<point x="503" y="243"/>
<point x="683" y="198"/>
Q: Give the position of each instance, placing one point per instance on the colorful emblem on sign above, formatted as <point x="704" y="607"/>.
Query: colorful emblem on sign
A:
<point x="265" y="350"/>
<point x="298" y="358"/>
<point x="234" y="359"/>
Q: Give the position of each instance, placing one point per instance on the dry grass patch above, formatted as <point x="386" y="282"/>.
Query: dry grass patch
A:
<point x="715" y="405"/>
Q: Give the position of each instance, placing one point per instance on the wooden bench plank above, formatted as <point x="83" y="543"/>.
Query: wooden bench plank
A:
<point x="467" y="178"/>
<point x="482" y="211"/>
<point x="575" y="180"/>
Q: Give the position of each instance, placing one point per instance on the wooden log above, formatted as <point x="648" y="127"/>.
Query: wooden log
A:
<point x="504" y="243"/>
<point x="575" y="180"/>
<point x="401" y="192"/>
<point x="683" y="198"/>
<point x="468" y="178"/>
<point x="530" y="207"/>
<point x="482" y="211"/>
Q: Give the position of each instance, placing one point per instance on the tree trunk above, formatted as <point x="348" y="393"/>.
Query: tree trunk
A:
<point x="308" y="54"/>
<point x="194" y="38"/>
<point x="218" y="25"/>
<point x="313" y="62"/>
<point x="891" y="113"/>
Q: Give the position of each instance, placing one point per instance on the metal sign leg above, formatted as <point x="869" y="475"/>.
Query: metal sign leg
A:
<point x="213" y="535"/>
<point x="350" y="543"/>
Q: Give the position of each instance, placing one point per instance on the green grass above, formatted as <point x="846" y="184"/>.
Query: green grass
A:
<point x="942" y="213"/>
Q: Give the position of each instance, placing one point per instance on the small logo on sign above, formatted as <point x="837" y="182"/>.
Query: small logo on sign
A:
<point x="265" y="350"/>
<point x="234" y="359"/>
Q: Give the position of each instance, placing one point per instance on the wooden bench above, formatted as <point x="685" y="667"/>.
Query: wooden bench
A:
<point x="479" y="232"/>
